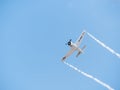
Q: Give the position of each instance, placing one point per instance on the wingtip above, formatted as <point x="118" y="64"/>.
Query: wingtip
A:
<point x="63" y="59"/>
<point x="84" y="30"/>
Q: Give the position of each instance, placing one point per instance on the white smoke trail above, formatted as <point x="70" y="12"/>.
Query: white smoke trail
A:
<point x="89" y="76"/>
<point x="103" y="45"/>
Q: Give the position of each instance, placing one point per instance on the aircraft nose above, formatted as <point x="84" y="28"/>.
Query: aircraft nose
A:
<point x="69" y="43"/>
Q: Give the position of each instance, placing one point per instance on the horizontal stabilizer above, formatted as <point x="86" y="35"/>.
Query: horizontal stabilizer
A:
<point x="81" y="51"/>
<point x="83" y="47"/>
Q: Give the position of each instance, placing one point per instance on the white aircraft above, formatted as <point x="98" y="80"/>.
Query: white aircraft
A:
<point x="75" y="46"/>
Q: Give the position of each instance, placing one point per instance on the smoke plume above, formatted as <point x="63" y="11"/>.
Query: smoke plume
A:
<point x="103" y="45"/>
<point x="89" y="76"/>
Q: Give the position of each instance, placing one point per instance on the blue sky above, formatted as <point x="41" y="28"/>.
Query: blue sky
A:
<point x="33" y="34"/>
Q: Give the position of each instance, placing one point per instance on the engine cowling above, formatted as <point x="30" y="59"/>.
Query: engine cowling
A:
<point x="69" y="43"/>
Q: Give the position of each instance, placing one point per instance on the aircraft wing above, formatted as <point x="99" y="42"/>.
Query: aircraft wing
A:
<point x="80" y="38"/>
<point x="68" y="54"/>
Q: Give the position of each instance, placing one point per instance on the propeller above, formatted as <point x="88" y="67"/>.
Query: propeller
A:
<point x="69" y="42"/>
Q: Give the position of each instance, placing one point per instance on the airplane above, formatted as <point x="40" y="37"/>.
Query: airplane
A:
<point x="75" y="46"/>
